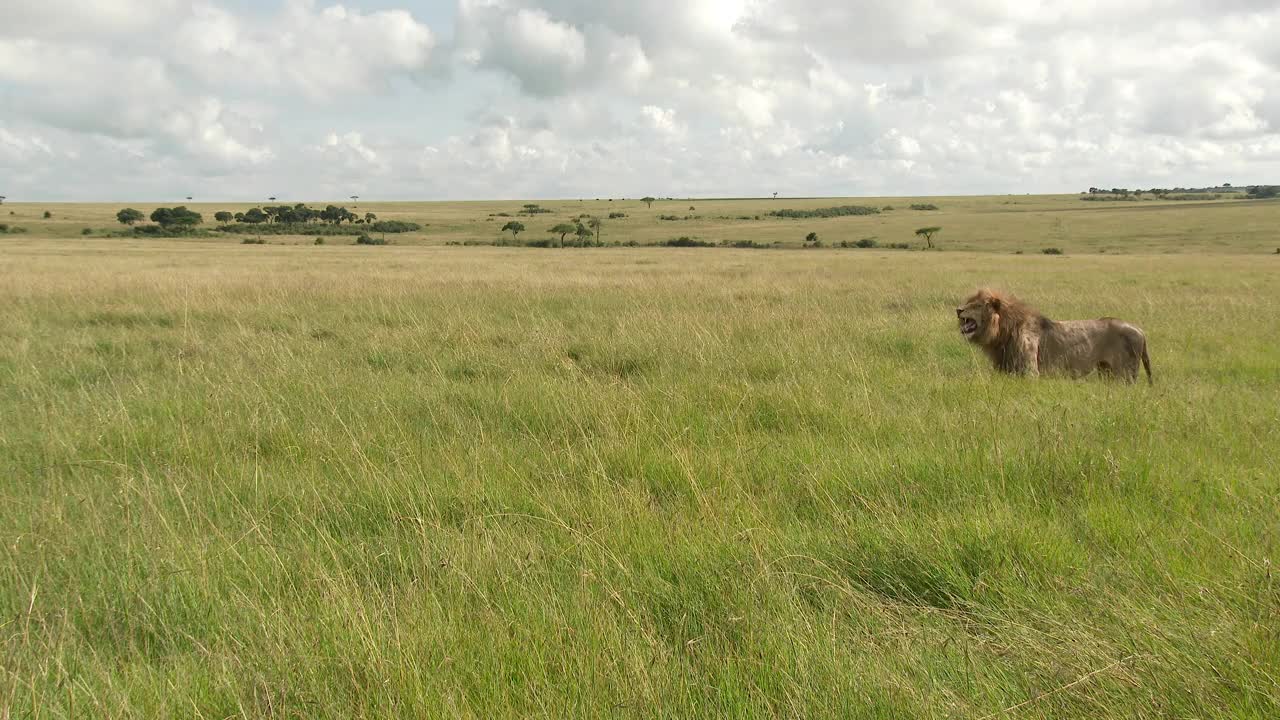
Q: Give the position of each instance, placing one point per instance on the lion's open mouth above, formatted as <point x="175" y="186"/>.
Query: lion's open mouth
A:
<point x="968" y="326"/>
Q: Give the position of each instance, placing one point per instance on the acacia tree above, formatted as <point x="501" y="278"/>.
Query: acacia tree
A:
<point x="927" y="234"/>
<point x="370" y="217"/>
<point x="253" y="216"/>
<point x="1" y="199"/>
<point x="355" y="201"/>
<point x="515" y="227"/>
<point x="584" y="234"/>
<point x="223" y="216"/>
<point x="811" y="238"/>
<point x="596" y="224"/>
<point x="176" y="217"/>
<point x="129" y="216"/>
<point x="563" y="229"/>
<point x="648" y="200"/>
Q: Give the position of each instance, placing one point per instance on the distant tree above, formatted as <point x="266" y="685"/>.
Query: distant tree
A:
<point x="584" y="233"/>
<point x="223" y="216"/>
<point x="596" y="224"/>
<point x="272" y="198"/>
<point x="515" y="227"/>
<point x="176" y="217"/>
<point x="253" y="216"/>
<point x="1" y="199"/>
<point x="648" y="200"/>
<point x="563" y="229"/>
<point x="1262" y="192"/>
<point x="370" y="217"/>
<point x="927" y="233"/>
<point x="188" y="197"/>
<point x="355" y="201"/>
<point x="1225" y="185"/>
<point x="47" y="214"/>
<point x="335" y="214"/>
<point x="775" y="196"/>
<point x="129" y="216"/>
<point x="811" y="238"/>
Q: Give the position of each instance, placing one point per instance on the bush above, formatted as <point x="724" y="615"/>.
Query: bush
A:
<point x="253" y="241"/>
<point x="7" y="229"/>
<point x="668" y="217"/>
<point x="686" y="241"/>
<point x="924" y="206"/>
<point x="86" y="231"/>
<point x="544" y="243"/>
<point x="319" y="241"/>
<point x="613" y="215"/>
<point x="1052" y="251"/>
<point x="887" y="208"/>
<point x="47" y="214"/>
<point x="171" y="231"/>
<point x="1127" y="198"/>
<point x="839" y="211"/>
<point x="366" y="239"/>
<point x="394" y="226"/>
<point x="867" y="242"/>
<point x="746" y="244"/>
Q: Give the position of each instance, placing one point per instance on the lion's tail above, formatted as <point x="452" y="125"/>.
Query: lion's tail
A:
<point x="1146" y="362"/>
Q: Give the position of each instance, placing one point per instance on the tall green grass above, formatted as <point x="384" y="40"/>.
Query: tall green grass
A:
<point x="333" y="482"/>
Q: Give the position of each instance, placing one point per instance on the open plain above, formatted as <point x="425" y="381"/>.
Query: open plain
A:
<point x="423" y="480"/>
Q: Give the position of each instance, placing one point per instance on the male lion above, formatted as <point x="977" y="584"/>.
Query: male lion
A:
<point x="1021" y="341"/>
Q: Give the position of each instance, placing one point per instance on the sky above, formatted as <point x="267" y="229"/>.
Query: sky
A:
<point x="237" y="100"/>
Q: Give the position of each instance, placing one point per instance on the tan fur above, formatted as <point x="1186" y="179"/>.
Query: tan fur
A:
<point x="1021" y="341"/>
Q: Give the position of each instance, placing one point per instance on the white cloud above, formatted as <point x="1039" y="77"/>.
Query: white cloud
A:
<point x="585" y="98"/>
<point x="662" y="120"/>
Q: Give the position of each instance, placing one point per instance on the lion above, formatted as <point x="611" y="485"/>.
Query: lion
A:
<point x="1021" y="341"/>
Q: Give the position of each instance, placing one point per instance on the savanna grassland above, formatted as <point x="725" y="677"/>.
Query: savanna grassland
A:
<point x="432" y="481"/>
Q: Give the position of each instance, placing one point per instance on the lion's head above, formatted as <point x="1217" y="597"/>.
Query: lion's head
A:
<point x="979" y="316"/>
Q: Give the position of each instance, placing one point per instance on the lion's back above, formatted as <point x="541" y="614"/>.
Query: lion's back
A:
<point x="1082" y="346"/>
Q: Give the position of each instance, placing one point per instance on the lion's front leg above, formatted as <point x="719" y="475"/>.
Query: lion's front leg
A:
<point x="1031" y="356"/>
